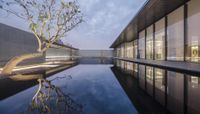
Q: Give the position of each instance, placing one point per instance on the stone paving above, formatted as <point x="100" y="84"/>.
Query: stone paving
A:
<point x="183" y="67"/>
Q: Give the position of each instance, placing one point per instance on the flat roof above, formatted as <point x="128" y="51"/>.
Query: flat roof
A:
<point x="150" y="12"/>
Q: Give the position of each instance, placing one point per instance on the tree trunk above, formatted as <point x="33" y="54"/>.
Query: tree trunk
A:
<point x="8" y="68"/>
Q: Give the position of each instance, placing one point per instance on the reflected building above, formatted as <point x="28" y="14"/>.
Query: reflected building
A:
<point x="176" y="92"/>
<point x="160" y="84"/>
<point x="193" y="92"/>
<point x="149" y="79"/>
<point x="142" y="77"/>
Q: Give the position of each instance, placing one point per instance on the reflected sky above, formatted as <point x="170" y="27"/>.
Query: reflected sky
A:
<point x="93" y="86"/>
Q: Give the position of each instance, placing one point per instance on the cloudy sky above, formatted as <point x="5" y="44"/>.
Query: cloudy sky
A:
<point x="104" y="20"/>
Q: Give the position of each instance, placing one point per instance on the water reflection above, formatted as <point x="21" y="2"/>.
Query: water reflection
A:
<point x="193" y="93"/>
<point x="93" y="89"/>
<point x="176" y="92"/>
<point x="149" y="78"/>
<point x="160" y="85"/>
<point x="50" y="99"/>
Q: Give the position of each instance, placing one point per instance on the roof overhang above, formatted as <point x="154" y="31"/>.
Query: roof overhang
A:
<point x="152" y="11"/>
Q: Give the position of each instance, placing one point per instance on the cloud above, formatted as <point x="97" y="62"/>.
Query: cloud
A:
<point x="105" y="19"/>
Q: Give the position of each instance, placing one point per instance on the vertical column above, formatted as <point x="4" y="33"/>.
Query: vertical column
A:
<point x="138" y="46"/>
<point x="185" y="30"/>
<point x="145" y="40"/>
<point x="154" y="27"/>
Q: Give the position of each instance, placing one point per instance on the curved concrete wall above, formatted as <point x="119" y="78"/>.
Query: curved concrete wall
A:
<point x="14" y="42"/>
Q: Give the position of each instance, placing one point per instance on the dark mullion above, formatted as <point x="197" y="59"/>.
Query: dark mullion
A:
<point x="145" y="40"/>
<point x="133" y="47"/>
<point x="138" y="57"/>
<point x="185" y="30"/>
<point x="154" y="41"/>
<point x="166" y="23"/>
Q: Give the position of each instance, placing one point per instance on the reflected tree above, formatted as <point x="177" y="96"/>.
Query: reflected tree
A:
<point x="50" y="99"/>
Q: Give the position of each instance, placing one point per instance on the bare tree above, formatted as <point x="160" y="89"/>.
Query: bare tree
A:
<point x="49" y="21"/>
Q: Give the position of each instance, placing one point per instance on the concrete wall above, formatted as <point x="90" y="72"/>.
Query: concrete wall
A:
<point x="14" y="42"/>
<point x="95" y="56"/>
<point x="58" y="53"/>
<point x="95" y="53"/>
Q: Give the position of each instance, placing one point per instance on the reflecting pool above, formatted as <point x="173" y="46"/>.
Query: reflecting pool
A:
<point x="84" y="89"/>
<point x="155" y="90"/>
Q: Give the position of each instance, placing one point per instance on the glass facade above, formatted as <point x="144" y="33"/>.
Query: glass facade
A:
<point x="175" y="35"/>
<point x="122" y="55"/>
<point x="193" y="38"/>
<point x="129" y="50"/>
<point x="160" y="39"/>
<point x="149" y="43"/>
<point x="182" y="39"/>
<point x="135" y="49"/>
<point x="177" y="92"/>
<point x="142" y="44"/>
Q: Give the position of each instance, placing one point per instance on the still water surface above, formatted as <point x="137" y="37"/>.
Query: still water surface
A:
<point x="94" y="87"/>
<point x="155" y="90"/>
<point x="107" y="89"/>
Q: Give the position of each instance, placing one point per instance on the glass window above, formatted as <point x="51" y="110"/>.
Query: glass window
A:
<point x="175" y="35"/>
<point x="122" y="55"/>
<point x="142" y="44"/>
<point x="149" y="43"/>
<point x="135" y="49"/>
<point x="122" y="51"/>
<point x="160" y="40"/>
<point x="193" y="41"/>
<point x="129" y="50"/>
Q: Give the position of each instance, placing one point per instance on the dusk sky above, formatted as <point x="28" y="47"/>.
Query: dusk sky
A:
<point x="104" y="21"/>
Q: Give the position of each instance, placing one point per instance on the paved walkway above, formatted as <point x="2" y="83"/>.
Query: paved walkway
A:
<point x="183" y="67"/>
